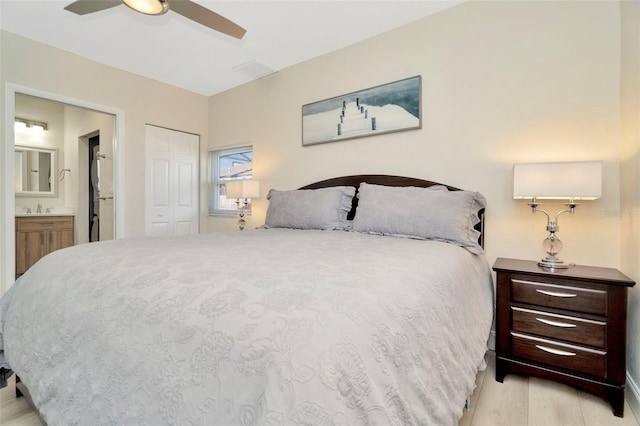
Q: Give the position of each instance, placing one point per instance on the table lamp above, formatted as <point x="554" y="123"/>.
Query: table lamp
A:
<point x="245" y="190"/>
<point x="572" y="181"/>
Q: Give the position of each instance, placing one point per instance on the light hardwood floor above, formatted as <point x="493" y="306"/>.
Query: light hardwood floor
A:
<point x="519" y="401"/>
<point x="529" y="401"/>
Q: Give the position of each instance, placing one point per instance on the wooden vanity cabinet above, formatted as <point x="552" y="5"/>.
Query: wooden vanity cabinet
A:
<point x="40" y="235"/>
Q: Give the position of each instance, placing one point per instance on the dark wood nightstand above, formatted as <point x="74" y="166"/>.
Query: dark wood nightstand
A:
<point x="567" y="325"/>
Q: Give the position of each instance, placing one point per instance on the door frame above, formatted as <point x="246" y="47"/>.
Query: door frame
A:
<point x="7" y="201"/>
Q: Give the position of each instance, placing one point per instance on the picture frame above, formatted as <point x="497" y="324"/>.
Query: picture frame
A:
<point x="387" y="108"/>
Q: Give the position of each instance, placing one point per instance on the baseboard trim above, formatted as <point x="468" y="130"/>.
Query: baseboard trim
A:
<point x="491" y="342"/>
<point x="633" y="396"/>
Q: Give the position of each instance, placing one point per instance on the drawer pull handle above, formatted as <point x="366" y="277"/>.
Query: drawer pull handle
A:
<point x="555" y="294"/>
<point x="556" y="323"/>
<point x="555" y="351"/>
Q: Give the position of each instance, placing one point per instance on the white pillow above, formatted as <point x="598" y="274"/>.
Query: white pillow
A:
<point x="420" y="213"/>
<point x="324" y="208"/>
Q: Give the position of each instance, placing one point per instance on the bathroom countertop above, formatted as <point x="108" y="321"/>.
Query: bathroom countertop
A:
<point x="43" y="214"/>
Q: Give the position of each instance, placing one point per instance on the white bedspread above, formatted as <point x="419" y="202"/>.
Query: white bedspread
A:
<point x="263" y="327"/>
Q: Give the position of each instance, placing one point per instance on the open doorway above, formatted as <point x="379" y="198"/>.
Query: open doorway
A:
<point x="94" y="188"/>
<point x="98" y="174"/>
<point x="8" y="198"/>
<point x="74" y="133"/>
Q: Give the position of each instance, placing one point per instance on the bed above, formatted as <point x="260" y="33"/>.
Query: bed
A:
<point x="345" y="308"/>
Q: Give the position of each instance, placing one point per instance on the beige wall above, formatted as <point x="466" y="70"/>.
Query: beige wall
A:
<point x="503" y="82"/>
<point x="630" y="203"/>
<point x="34" y="65"/>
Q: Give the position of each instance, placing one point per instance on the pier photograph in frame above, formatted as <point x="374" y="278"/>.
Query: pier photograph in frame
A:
<point x="390" y="107"/>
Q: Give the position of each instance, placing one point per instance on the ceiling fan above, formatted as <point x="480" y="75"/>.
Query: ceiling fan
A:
<point x="186" y="8"/>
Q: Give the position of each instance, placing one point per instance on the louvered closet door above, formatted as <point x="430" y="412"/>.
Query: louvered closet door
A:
<point x="171" y="186"/>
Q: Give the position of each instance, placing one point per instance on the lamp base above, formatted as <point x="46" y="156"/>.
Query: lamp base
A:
<point x="554" y="264"/>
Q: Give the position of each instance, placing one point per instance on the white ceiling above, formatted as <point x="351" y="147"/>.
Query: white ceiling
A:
<point x="180" y="52"/>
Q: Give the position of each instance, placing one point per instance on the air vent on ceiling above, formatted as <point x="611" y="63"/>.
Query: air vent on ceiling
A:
<point x="253" y="69"/>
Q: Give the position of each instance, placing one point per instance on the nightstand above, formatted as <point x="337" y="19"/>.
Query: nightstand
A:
<point x="567" y="325"/>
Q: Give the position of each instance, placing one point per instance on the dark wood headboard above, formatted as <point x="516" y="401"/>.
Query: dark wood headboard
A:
<point x="387" y="180"/>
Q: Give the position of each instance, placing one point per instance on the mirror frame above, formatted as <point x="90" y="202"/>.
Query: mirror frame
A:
<point x="54" y="168"/>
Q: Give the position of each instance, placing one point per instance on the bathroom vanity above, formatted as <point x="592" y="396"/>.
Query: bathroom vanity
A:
<point x="39" y="235"/>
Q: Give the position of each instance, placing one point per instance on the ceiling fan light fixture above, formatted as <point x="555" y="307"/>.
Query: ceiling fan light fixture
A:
<point x="148" y="7"/>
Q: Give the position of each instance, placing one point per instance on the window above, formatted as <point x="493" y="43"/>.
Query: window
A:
<point x="226" y="165"/>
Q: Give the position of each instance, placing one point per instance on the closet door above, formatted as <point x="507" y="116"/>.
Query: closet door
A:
<point x="171" y="187"/>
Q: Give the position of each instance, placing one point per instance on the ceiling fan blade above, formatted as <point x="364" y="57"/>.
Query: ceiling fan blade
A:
<point x="206" y="17"/>
<point x="83" y="7"/>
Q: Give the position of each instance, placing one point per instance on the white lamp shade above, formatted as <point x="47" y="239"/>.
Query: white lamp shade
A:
<point x="578" y="180"/>
<point x="243" y="188"/>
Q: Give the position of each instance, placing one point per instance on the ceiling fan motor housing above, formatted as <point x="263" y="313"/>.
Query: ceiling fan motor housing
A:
<point x="148" y="7"/>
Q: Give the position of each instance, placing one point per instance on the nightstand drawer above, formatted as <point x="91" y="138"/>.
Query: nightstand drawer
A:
<point x="576" y="358"/>
<point x="561" y="327"/>
<point x="560" y="296"/>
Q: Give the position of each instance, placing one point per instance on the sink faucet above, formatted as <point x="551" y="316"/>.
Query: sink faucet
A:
<point x="39" y="209"/>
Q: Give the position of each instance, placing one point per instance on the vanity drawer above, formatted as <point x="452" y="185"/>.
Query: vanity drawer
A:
<point x="561" y="327"/>
<point x="560" y="296"/>
<point x="41" y="223"/>
<point x="584" y="360"/>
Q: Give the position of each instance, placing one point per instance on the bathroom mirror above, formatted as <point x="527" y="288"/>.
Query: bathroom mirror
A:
<point x="35" y="171"/>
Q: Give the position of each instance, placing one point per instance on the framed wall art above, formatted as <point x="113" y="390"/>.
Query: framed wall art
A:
<point x="390" y="107"/>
